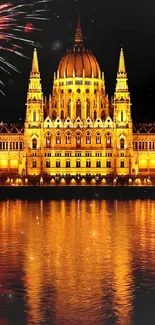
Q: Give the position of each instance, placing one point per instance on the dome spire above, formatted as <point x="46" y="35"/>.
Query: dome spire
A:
<point x="78" y="34"/>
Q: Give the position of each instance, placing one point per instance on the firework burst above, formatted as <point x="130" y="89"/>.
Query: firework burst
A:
<point x="16" y="23"/>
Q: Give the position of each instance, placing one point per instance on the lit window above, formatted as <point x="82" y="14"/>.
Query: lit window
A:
<point x="108" y="140"/>
<point x="88" y="138"/>
<point x="58" y="138"/>
<point x="98" y="138"/>
<point x="78" y="138"/>
<point x="48" y="140"/>
<point x="68" y="138"/>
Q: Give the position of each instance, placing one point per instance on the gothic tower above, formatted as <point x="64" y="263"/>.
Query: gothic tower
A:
<point x="34" y="119"/>
<point x="122" y="122"/>
<point x="122" y="112"/>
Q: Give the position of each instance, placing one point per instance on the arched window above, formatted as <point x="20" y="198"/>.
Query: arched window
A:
<point x="98" y="163"/>
<point x="54" y="115"/>
<point x="34" y="116"/>
<point x="58" y="138"/>
<point x="48" y="140"/>
<point x="78" y="138"/>
<point x="108" y="164"/>
<point x="34" y="143"/>
<point x="68" y="138"/>
<point x="142" y="145"/>
<point x="87" y="108"/>
<point x="34" y="164"/>
<point x="78" y="108"/>
<point x="146" y="145"/>
<point x="98" y="138"/>
<point x="102" y="115"/>
<point x="68" y="163"/>
<point x="48" y="164"/>
<point x="121" y="116"/>
<point x="78" y="163"/>
<point x="69" y="108"/>
<point x="95" y="114"/>
<point x="88" y="163"/>
<point x="62" y="114"/>
<point x="122" y="143"/>
<point x="122" y="163"/>
<point x="88" y="138"/>
<point x="108" y="140"/>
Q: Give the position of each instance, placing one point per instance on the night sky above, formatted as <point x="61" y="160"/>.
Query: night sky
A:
<point x="106" y="26"/>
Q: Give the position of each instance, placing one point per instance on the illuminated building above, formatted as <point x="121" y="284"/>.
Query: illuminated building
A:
<point x="77" y="132"/>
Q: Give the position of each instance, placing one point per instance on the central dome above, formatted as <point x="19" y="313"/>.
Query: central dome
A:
<point x="79" y="62"/>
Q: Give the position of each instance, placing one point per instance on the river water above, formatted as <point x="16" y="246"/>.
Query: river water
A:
<point x="77" y="262"/>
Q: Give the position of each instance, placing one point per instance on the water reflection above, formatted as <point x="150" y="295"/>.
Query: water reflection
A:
<point x="77" y="262"/>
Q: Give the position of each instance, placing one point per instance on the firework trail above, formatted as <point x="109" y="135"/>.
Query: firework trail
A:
<point x="16" y="21"/>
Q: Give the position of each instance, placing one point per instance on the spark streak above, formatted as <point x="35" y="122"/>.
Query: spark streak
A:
<point x="13" y="20"/>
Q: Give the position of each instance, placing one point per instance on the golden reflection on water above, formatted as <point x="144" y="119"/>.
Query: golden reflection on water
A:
<point x="74" y="262"/>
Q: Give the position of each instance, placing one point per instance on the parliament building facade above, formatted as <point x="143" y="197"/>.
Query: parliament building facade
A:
<point x="77" y="135"/>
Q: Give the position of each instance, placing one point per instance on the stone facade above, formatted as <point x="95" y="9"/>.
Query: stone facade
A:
<point x="77" y="132"/>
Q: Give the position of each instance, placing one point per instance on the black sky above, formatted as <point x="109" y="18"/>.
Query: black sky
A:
<point x="106" y="26"/>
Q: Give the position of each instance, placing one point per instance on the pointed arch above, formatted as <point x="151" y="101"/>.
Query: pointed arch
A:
<point x="48" y="140"/>
<point x="68" y="138"/>
<point x="122" y="143"/>
<point x="62" y="114"/>
<point x="102" y="115"/>
<point x="78" y="138"/>
<point x="58" y="138"/>
<point x="54" y="115"/>
<point x="95" y="114"/>
<point x="98" y="138"/>
<point x="78" y="108"/>
<point x="34" y="143"/>
<point x="108" y="140"/>
<point x="69" y="108"/>
<point x="88" y="138"/>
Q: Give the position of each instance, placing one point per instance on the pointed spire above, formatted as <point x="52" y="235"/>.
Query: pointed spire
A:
<point x="78" y="34"/>
<point x="121" y="62"/>
<point x="35" y="88"/>
<point x="35" y="65"/>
